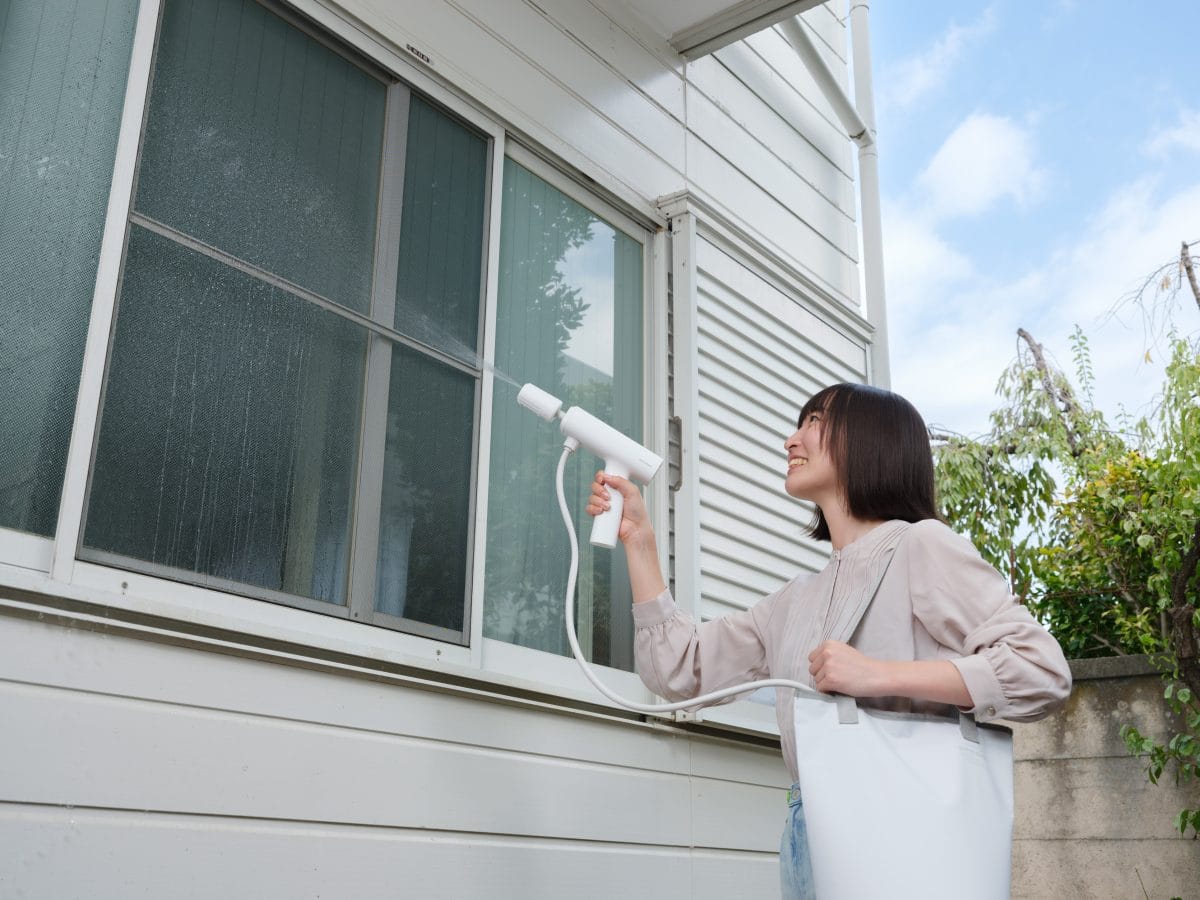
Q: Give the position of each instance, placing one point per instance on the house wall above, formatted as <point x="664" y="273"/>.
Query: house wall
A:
<point x="135" y="766"/>
<point x="159" y="742"/>
<point x="1088" y="822"/>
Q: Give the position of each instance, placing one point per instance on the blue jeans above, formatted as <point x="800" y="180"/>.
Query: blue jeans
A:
<point x="795" y="863"/>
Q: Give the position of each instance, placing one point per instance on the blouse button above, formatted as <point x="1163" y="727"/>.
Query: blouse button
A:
<point x="991" y="710"/>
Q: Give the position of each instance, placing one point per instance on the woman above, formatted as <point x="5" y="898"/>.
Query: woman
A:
<point x="942" y="631"/>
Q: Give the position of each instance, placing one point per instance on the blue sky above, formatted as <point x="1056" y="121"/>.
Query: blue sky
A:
<point x="1037" y="161"/>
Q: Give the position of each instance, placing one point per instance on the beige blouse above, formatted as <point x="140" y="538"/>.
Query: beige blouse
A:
<point x="938" y="599"/>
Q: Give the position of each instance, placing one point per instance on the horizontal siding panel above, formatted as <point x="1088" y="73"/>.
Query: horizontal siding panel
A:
<point x="772" y="552"/>
<point x="777" y="52"/>
<point x="723" y="580"/>
<point x="771" y="222"/>
<point x="743" y="150"/>
<point x="760" y="355"/>
<point x="659" y="79"/>
<point x="727" y="276"/>
<point x="560" y="58"/>
<point x="98" y="751"/>
<point x="784" y="521"/>
<point x="776" y="120"/>
<point x="800" y="104"/>
<point x="779" y="351"/>
<point x="109" y="855"/>
<point x="79" y="659"/>
<point x="830" y="33"/>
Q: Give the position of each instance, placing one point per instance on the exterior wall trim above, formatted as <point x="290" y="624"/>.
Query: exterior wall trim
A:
<point x="785" y="275"/>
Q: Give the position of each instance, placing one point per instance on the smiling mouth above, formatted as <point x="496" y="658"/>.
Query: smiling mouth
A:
<point x="797" y="463"/>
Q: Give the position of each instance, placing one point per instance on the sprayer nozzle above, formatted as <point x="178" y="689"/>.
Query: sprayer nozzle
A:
<point x="539" y="402"/>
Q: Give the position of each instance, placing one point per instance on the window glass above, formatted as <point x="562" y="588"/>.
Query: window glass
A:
<point x="229" y="435"/>
<point x="63" y="66"/>
<point x="230" y="446"/>
<point x="569" y="320"/>
<point x="264" y="143"/>
<point x="426" y="501"/>
<point x="441" y="247"/>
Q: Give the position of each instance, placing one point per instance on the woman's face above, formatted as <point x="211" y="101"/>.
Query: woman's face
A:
<point x="810" y="472"/>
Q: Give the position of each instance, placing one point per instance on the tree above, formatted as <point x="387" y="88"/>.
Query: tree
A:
<point x="1096" y="525"/>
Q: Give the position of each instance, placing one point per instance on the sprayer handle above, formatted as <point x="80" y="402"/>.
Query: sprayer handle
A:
<point x="607" y="525"/>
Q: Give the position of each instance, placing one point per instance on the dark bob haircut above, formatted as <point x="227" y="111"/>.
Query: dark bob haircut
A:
<point x="879" y="447"/>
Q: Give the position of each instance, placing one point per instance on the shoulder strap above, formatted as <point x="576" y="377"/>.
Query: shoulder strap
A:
<point x="847" y="623"/>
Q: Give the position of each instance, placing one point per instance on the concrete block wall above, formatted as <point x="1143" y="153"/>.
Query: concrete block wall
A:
<point x="1088" y="822"/>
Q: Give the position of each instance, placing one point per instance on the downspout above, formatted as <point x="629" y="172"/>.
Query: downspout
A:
<point x="860" y="126"/>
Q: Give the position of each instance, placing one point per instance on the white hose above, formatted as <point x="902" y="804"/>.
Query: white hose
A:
<point x="569" y="447"/>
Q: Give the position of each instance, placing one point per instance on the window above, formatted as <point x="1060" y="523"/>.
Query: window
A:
<point x="63" y="67"/>
<point x="569" y="320"/>
<point x="290" y="405"/>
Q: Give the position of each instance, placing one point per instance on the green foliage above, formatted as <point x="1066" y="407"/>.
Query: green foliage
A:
<point x="1097" y="529"/>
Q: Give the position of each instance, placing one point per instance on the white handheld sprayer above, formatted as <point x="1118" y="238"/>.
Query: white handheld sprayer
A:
<point x="625" y="457"/>
<point x="622" y="456"/>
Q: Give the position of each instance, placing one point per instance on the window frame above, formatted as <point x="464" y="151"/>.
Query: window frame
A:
<point x="55" y="565"/>
<point x="549" y="668"/>
<point x="380" y="335"/>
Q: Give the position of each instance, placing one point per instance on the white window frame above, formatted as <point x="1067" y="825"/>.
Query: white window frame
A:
<point x="51" y="565"/>
<point x="550" y="668"/>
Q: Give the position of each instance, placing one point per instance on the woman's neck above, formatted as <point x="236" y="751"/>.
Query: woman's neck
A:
<point x="844" y="528"/>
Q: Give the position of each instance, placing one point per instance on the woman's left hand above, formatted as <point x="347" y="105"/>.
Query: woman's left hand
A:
<point x="838" y="668"/>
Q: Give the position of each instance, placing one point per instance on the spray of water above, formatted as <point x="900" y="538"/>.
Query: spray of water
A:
<point x="434" y="334"/>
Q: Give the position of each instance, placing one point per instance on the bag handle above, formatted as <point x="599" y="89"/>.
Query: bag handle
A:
<point x="847" y="707"/>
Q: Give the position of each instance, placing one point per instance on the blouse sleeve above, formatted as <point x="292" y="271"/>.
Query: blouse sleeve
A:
<point x="678" y="659"/>
<point x="1012" y="666"/>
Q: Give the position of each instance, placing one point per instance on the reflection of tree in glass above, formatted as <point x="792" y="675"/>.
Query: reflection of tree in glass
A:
<point x="538" y="312"/>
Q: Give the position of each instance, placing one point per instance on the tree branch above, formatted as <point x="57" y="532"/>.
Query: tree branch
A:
<point x="1185" y="260"/>
<point x="1069" y="410"/>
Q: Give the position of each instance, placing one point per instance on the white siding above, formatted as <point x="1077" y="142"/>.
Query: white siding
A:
<point x="761" y="354"/>
<point x="131" y="768"/>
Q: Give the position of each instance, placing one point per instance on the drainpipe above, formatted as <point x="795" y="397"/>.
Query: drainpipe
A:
<point x="860" y="125"/>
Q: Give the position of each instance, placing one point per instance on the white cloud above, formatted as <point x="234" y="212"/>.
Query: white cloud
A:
<point x="919" y="266"/>
<point x="1183" y="136"/>
<point x="986" y="158"/>
<point x="911" y="79"/>
<point x="949" y="346"/>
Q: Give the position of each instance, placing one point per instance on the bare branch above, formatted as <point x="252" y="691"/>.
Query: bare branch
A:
<point x="1069" y="410"/>
<point x="1185" y="260"/>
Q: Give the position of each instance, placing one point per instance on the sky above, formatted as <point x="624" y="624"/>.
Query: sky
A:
<point x="1038" y="160"/>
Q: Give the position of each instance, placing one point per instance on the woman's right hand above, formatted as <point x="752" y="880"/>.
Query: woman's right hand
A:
<point x="635" y="525"/>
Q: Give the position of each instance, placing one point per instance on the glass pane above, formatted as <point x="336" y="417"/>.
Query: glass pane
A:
<point x="426" y="491"/>
<point x="63" y="65"/>
<point x="569" y="320"/>
<point x="229" y="434"/>
<point x="441" y="238"/>
<point x="265" y="143"/>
